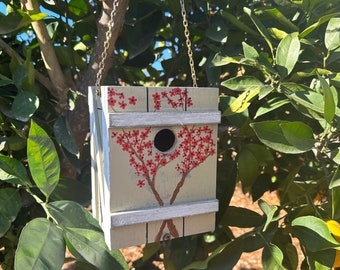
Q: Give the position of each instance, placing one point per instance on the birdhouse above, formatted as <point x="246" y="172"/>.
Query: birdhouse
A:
<point x="153" y="153"/>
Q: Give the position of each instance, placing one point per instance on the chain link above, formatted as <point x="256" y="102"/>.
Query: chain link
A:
<point x="106" y="45"/>
<point x="188" y="43"/>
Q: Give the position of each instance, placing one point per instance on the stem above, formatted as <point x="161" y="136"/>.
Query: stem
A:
<point x="178" y="188"/>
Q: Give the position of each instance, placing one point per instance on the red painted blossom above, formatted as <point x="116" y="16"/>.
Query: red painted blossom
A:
<point x="176" y="98"/>
<point x="141" y="183"/>
<point x="132" y="100"/>
<point x="115" y="98"/>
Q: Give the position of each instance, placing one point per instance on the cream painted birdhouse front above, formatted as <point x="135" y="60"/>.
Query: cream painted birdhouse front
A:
<point x="153" y="155"/>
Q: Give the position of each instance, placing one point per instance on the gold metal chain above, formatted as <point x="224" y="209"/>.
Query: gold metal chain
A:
<point x="106" y="45"/>
<point x="188" y="42"/>
<point x="109" y="34"/>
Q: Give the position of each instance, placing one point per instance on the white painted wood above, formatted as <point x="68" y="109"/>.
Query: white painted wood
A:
<point x="148" y="119"/>
<point x="128" y="213"/>
<point x="154" y="229"/>
<point x="199" y="223"/>
<point x="163" y="213"/>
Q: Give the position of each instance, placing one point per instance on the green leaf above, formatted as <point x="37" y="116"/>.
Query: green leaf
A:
<point x="10" y="204"/>
<point x="269" y="211"/>
<point x="5" y="81"/>
<point x="332" y="34"/>
<point x="249" y="51"/>
<point x="217" y="30"/>
<point x="42" y="159"/>
<point x="72" y="214"/>
<point x="241" y="217"/>
<point x="78" y="7"/>
<point x="63" y="134"/>
<point x="24" y="105"/>
<point x="271" y="105"/>
<point x="241" y="103"/>
<point x="284" y="136"/>
<point x="41" y="246"/>
<point x="90" y="245"/>
<point x="287" y="54"/>
<point x="298" y="134"/>
<point x="65" y="191"/>
<point x="313" y="233"/>
<point x="12" y="22"/>
<point x="272" y="257"/>
<point x="315" y="25"/>
<point x="329" y="100"/>
<point x="238" y="23"/>
<point x="322" y="260"/>
<point x="336" y="202"/>
<point x="223" y="257"/>
<point x="335" y="181"/>
<point x="260" y="27"/>
<point x="279" y="17"/>
<point x="243" y="83"/>
<point x="15" y="169"/>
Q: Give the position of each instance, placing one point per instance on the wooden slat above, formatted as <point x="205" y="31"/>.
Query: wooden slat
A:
<point x="165" y="212"/>
<point x="150" y="119"/>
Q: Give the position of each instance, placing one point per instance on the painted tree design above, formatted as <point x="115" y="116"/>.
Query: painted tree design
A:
<point x="194" y="145"/>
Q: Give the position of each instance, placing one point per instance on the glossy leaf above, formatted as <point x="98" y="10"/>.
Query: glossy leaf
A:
<point x="90" y="245"/>
<point x="72" y="214"/>
<point x="260" y="27"/>
<point x="42" y="159"/>
<point x="329" y="100"/>
<point x="10" y="204"/>
<point x="315" y="25"/>
<point x="243" y="83"/>
<point x="63" y="133"/>
<point x="24" y="105"/>
<point x="15" y="170"/>
<point x="269" y="211"/>
<point x="4" y="80"/>
<point x="241" y="103"/>
<point x="271" y="105"/>
<point x="249" y="51"/>
<point x="272" y="257"/>
<point x="41" y="246"/>
<point x="287" y="54"/>
<point x="332" y="34"/>
<point x="313" y="233"/>
<point x="78" y="7"/>
<point x="322" y="260"/>
<point x="299" y="135"/>
<point x="284" y="136"/>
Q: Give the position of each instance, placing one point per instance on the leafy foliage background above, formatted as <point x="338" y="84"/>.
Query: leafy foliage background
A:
<point x="277" y="66"/>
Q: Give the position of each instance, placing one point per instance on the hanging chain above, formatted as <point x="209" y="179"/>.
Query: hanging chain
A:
<point x="106" y="45"/>
<point x="188" y="42"/>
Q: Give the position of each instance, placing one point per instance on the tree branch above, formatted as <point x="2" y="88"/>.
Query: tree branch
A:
<point x="49" y="57"/>
<point x="40" y="77"/>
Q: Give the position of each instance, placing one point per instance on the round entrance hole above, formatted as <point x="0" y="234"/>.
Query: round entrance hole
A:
<point x="164" y="140"/>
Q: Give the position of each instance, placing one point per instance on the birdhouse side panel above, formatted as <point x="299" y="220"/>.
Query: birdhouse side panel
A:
<point x="164" y="230"/>
<point x="199" y="224"/>
<point x="203" y="98"/>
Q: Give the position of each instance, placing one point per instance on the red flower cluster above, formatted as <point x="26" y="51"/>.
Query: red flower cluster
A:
<point x="143" y="158"/>
<point x="196" y="146"/>
<point x="176" y="97"/>
<point x="114" y="97"/>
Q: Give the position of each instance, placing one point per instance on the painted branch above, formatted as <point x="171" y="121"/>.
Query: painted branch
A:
<point x="178" y="188"/>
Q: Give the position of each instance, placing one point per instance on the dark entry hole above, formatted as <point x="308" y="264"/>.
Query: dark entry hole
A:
<point x="164" y="140"/>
